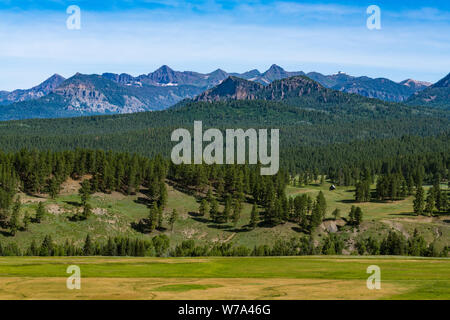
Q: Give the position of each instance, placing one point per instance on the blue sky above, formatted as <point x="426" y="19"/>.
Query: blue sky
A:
<point x="137" y="37"/>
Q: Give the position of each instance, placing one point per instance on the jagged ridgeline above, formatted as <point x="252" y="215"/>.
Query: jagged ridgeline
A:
<point x="319" y="127"/>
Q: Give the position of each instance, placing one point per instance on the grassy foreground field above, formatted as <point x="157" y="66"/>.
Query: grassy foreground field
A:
<point x="224" y="278"/>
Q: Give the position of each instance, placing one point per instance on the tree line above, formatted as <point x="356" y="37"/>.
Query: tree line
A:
<point x="159" y="246"/>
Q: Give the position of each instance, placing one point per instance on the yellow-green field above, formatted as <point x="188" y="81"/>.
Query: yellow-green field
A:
<point x="225" y="278"/>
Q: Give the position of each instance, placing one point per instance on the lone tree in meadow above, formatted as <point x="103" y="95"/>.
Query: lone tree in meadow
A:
<point x="85" y="192"/>
<point x="160" y="218"/>
<point x="226" y="215"/>
<point x="153" y="217"/>
<point x="429" y="202"/>
<point x="88" y="248"/>
<point x="336" y="213"/>
<point x="53" y="188"/>
<point x="254" y="217"/>
<point x="163" y="195"/>
<point x="173" y="218"/>
<point x="237" y="208"/>
<point x="204" y="208"/>
<point x="85" y="195"/>
<point x="418" y="203"/>
<point x="322" y="204"/>
<point x="26" y="220"/>
<point x="355" y="216"/>
<point x="214" y="211"/>
<point x="14" y="221"/>
<point x="40" y="212"/>
<point x="358" y="216"/>
<point x="87" y="210"/>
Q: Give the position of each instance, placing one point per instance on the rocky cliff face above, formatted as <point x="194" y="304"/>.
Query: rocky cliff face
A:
<point x="291" y="88"/>
<point x="232" y="88"/>
<point x="94" y="94"/>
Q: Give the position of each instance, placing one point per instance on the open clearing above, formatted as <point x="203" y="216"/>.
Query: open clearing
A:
<point x="224" y="278"/>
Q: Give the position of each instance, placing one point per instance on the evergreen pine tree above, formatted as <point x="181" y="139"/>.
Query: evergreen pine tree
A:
<point x="40" y="212"/>
<point x="214" y="211"/>
<point x="204" y="208"/>
<point x="88" y="248"/>
<point x="322" y="204"/>
<point x="53" y="188"/>
<point x="254" y="217"/>
<point x="226" y="215"/>
<point x="173" y="218"/>
<point x="429" y="203"/>
<point x="237" y="208"/>
<point x="358" y="216"/>
<point x="160" y="218"/>
<point x="418" y="203"/>
<point x="153" y="217"/>
<point x="162" y="201"/>
<point x="26" y="220"/>
<point x="85" y="192"/>
<point x="14" y="223"/>
<point x="336" y="213"/>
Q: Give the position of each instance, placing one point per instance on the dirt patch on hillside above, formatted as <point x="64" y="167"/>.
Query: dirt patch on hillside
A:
<point x="230" y="237"/>
<point x="25" y="199"/>
<point x="55" y="209"/>
<point x="397" y="226"/>
<point x="420" y="219"/>
<point x="108" y="196"/>
<point x="332" y="226"/>
<point x="100" y="211"/>
<point x="188" y="233"/>
<point x="71" y="186"/>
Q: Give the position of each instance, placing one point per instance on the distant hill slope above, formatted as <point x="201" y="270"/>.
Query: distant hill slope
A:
<point x="379" y="88"/>
<point x="36" y="92"/>
<point x="437" y="95"/>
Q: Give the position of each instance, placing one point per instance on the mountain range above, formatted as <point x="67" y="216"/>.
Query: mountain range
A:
<point x="123" y="93"/>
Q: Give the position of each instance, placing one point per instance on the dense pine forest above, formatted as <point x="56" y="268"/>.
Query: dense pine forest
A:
<point x="330" y="134"/>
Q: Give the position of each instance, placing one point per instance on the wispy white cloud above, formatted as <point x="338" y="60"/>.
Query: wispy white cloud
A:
<point x="318" y="9"/>
<point x="421" y="14"/>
